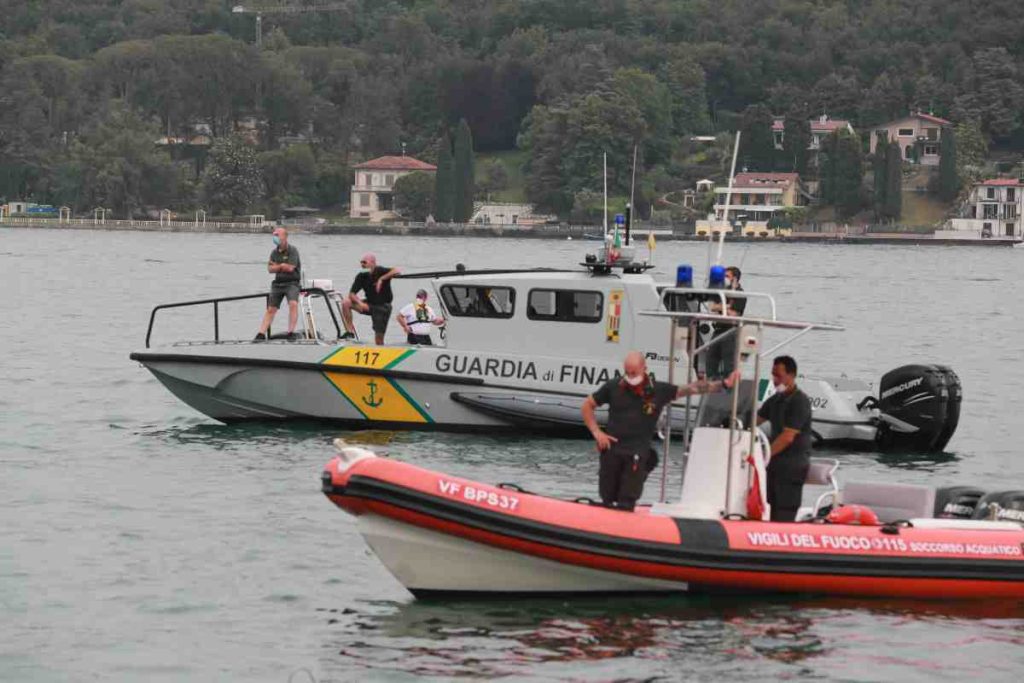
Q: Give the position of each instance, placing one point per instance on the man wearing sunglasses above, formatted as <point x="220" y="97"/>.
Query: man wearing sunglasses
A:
<point x="375" y="283"/>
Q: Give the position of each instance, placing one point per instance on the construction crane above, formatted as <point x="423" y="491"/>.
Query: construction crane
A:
<point x="260" y="10"/>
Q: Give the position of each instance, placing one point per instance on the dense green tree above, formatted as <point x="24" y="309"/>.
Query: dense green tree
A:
<point x="114" y="165"/>
<point x="757" y="144"/>
<point x="414" y="196"/>
<point x="796" y="138"/>
<point x="289" y="175"/>
<point x="971" y="150"/>
<point x="686" y="85"/>
<point x="544" y="138"/>
<point x="949" y="182"/>
<point x="232" y="180"/>
<point x="491" y="176"/>
<point x="893" y="206"/>
<point x="444" y="182"/>
<point x="880" y="173"/>
<point x="842" y="172"/>
<point x="463" y="175"/>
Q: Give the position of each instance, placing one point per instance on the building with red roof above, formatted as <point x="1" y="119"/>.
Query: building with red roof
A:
<point x="821" y="128"/>
<point x="994" y="208"/>
<point x="756" y="197"/>
<point x="373" y="190"/>
<point x="918" y="134"/>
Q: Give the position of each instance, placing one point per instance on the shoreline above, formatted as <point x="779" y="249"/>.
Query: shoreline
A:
<point x="533" y="232"/>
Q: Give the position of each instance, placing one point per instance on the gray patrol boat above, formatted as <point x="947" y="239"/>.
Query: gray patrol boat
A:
<point x="521" y="350"/>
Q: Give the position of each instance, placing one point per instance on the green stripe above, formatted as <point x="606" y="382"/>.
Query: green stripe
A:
<point x="410" y="399"/>
<point x="350" y="401"/>
<point x="398" y="360"/>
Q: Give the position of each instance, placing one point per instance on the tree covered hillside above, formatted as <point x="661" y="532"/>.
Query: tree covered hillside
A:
<point x="85" y="84"/>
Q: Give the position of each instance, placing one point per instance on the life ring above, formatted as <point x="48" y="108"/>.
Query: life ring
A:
<point x="858" y="515"/>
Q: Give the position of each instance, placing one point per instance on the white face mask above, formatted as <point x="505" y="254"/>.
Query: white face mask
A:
<point x="781" y="387"/>
<point x="635" y="380"/>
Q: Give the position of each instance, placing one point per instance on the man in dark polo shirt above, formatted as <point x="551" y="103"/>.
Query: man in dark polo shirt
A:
<point x="634" y="401"/>
<point x="375" y="282"/>
<point x="721" y="356"/>
<point x="789" y="412"/>
<point x="284" y="263"/>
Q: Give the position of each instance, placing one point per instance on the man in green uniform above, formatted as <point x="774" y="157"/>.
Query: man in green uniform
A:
<point x="634" y="401"/>
<point x="284" y="263"/>
<point x="789" y="412"/>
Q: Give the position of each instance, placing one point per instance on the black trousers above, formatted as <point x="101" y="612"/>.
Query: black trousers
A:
<point x="621" y="476"/>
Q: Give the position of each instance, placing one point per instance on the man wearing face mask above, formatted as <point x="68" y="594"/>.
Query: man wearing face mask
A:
<point x="416" y="319"/>
<point x="722" y="356"/>
<point x="634" y="401"/>
<point x="375" y="283"/>
<point x="284" y="263"/>
<point x="789" y="412"/>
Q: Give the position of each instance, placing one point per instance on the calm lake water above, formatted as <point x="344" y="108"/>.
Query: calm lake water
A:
<point x="142" y="541"/>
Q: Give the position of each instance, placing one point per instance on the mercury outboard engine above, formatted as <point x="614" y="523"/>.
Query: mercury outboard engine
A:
<point x="919" y="408"/>
<point x="1001" y="505"/>
<point x="957" y="502"/>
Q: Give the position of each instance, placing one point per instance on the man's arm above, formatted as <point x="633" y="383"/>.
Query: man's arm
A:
<point x="703" y="386"/>
<point x="604" y="441"/>
<point x="784" y="440"/>
<point x="385" y="277"/>
<point x="401" y="321"/>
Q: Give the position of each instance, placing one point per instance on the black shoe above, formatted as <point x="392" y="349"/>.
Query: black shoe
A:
<point x="347" y="335"/>
<point x="261" y="336"/>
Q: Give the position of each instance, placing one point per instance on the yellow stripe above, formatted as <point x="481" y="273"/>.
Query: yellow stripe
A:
<point x="376" y="357"/>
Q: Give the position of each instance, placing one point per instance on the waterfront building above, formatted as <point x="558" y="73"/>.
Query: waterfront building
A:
<point x="993" y="208"/>
<point x="373" y="191"/>
<point x="919" y="136"/>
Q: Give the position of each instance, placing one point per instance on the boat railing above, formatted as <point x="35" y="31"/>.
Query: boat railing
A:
<point x="305" y="291"/>
<point x="701" y="294"/>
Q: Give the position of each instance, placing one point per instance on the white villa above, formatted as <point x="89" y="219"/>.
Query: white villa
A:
<point x="373" y="191"/>
<point x="994" y="209"/>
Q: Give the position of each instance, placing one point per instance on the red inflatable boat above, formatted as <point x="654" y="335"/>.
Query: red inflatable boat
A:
<point x="442" y="534"/>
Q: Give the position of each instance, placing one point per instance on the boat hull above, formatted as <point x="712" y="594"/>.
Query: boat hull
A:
<point x="415" y="389"/>
<point x="441" y="534"/>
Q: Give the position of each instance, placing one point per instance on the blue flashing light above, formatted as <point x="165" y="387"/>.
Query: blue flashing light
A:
<point x="620" y="219"/>
<point x="717" y="276"/>
<point x="684" y="276"/>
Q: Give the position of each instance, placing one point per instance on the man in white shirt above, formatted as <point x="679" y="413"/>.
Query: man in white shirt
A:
<point x="416" y="319"/>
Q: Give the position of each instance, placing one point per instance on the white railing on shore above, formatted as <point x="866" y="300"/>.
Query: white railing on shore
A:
<point x="154" y="225"/>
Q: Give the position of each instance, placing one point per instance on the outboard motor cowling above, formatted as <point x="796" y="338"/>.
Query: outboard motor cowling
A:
<point x="1007" y="506"/>
<point x="919" y="408"/>
<point x="957" y="502"/>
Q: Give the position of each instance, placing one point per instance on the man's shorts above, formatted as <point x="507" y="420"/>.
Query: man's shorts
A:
<point x="279" y="291"/>
<point x="380" y="314"/>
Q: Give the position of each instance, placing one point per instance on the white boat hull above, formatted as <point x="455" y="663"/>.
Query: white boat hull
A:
<point x="426" y="561"/>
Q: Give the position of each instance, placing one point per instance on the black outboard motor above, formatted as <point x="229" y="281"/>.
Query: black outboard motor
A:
<point x="919" y="408"/>
<point x="957" y="502"/>
<point x="1001" y="505"/>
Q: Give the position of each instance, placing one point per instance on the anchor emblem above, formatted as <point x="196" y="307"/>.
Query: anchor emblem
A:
<point x="373" y="390"/>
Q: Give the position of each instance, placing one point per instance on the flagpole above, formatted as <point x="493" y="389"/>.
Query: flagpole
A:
<point x="632" y="190"/>
<point x="606" y="196"/>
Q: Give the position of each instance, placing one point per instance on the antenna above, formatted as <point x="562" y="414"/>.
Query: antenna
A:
<point x="632" y="188"/>
<point x="728" y="199"/>
<point x="606" y="196"/>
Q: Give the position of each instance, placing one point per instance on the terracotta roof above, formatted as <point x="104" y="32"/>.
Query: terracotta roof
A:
<point x="396" y="164"/>
<point x="933" y="119"/>
<point x="1003" y="182"/>
<point x="764" y="179"/>
<point x="817" y="125"/>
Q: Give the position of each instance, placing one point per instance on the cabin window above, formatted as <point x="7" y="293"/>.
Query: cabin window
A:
<point x="476" y="301"/>
<point x="565" y="305"/>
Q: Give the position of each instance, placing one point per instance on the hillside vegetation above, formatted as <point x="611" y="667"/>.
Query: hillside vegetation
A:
<point x="86" y="86"/>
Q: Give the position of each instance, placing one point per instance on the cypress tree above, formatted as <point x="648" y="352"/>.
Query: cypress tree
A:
<point x="463" y="181"/>
<point x="444" y="195"/>
<point x="796" y="137"/>
<point x="893" y="182"/>
<point x="879" y="168"/>
<point x="949" y="181"/>
<point x="829" y="170"/>
<point x="849" y="173"/>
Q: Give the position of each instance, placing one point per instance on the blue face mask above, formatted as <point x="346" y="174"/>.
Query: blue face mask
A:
<point x="277" y="241"/>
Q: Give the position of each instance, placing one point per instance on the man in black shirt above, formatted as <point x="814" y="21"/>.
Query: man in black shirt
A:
<point x="789" y="412"/>
<point x="285" y="264"/>
<point x="375" y="282"/>
<point x="722" y="355"/>
<point x="634" y="401"/>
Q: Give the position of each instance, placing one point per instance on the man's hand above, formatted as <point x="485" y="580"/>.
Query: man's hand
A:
<point x="604" y="441"/>
<point x="364" y="307"/>
<point x="730" y="381"/>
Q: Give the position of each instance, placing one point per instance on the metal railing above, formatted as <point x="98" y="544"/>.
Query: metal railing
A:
<point x="216" y="309"/>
